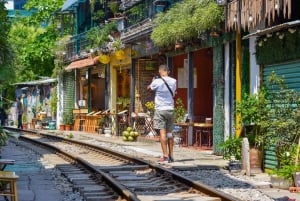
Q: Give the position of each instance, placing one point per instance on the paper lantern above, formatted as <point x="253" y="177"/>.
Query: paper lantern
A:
<point x="120" y="54"/>
<point x="104" y="58"/>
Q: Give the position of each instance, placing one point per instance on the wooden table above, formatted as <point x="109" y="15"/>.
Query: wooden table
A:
<point x="184" y="132"/>
<point x="203" y="130"/>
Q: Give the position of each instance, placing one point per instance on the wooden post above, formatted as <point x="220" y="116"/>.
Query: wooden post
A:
<point x="190" y="95"/>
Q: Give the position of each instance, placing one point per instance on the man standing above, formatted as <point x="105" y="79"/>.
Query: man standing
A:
<point x="164" y="87"/>
<point x="19" y="110"/>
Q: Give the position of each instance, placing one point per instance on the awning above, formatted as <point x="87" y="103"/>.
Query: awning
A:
<point x="273" y="29"/>
<point x="68" y="4"/>
<point x="37" y="82"/>
<point x="82" y="63"/>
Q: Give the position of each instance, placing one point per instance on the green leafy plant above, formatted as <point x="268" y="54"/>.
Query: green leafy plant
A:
<point x="232" y="148"/>
<point x="98" y="16"/>
<point x="53" y="100"/>
<point x="68" y="118"/>
<point x="179" y="110"/>
<point x="253" y="109"/>
<point x="114" y="7"/>
<point x="70" y="136"/>
<point x="117" y="44"/>
<point x="185" y="20"/>
<point x="98" y="36"/>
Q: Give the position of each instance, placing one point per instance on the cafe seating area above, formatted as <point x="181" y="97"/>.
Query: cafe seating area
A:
<point x="202" y="130"/>
<point x="97" y="120"/>
<point x="201" y="127"/>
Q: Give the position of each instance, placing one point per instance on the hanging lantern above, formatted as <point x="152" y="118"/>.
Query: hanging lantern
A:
<point x="120" y="54"/>
<point x="104" y="58"/>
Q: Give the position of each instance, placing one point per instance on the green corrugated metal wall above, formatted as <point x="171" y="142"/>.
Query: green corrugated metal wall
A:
<point x="291" y="74"/>
<point x="68" y="92"/>
<point x="290" y="71"/>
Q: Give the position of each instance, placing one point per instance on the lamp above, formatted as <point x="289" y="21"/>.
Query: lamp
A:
<point x="281" y="36"/>
<point x="250" y="18"/>
<point x="87" y="74"/>
<point x="292" y="30"/>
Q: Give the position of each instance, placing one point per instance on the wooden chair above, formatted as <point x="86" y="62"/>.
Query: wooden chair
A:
<point x="76" y="114"/>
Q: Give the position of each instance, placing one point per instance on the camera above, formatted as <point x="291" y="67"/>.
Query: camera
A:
<point x="156" y="76"/>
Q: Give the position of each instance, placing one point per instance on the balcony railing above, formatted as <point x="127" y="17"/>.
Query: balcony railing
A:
<point x="77" y="47"/>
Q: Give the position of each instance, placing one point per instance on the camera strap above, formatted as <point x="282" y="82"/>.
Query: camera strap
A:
<point x="168" y="87"/>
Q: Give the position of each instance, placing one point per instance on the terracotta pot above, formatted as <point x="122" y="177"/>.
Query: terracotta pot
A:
<point x="25" y="126"/>
<point x="62" y="127"/>
<point x="67" y="127"/>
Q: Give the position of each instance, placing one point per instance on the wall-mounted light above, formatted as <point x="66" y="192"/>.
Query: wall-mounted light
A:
<point x="250" y="18"/>
<point x="292" y="30"/>
<point x="86" y="74"/>
<point x="235" y="18"/>
<point x="269" y="35"/>
<point x="260" y="43"/>
<point x="276" y="6"/>
<point x="221" y="2"/>
<point x="281" y="36"/>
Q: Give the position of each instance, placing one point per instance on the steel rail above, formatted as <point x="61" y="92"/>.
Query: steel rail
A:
<point x="122" y="190"/>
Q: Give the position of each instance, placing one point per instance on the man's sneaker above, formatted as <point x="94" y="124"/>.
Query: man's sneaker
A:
<point x="171" y="159"/>
<point x="163" y="160"/>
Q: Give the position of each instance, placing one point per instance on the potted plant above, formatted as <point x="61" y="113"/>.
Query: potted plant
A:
<point x="68" y="120"/>
<point x="232" y="148"/>
<point x="24" y="122"/>
<point x="114" y="7"/>
<point x="253" y="110"/>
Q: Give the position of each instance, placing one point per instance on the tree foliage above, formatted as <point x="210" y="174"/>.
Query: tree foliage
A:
<point x="6" y="73"/>
<point x="32" y="39"/>
<point x="185" y="20"/>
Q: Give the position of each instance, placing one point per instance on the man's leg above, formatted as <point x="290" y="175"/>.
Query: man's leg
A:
<point x="170" y="143"/>
<point x="163" y="142"/>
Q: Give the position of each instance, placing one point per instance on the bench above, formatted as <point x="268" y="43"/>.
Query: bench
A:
<point x="8" y="181"/>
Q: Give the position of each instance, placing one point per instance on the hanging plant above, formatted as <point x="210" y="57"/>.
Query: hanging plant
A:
<point x="185" y="20"/>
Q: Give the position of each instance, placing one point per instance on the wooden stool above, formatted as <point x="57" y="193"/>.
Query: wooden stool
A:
<point x="11" y="179"/>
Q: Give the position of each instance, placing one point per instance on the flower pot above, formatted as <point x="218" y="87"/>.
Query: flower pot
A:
<point x="62" y="127"/>
<point x="25" y="126"/>
<point x="67" y="127"/>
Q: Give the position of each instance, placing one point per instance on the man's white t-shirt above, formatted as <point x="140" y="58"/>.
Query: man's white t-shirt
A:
<point x="163" y="97"/>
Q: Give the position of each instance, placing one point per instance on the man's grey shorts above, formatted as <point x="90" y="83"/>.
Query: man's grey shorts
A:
<point x="164" y="119"/>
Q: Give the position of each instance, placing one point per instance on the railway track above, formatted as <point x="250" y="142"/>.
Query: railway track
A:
<point x="102" y="174"/>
